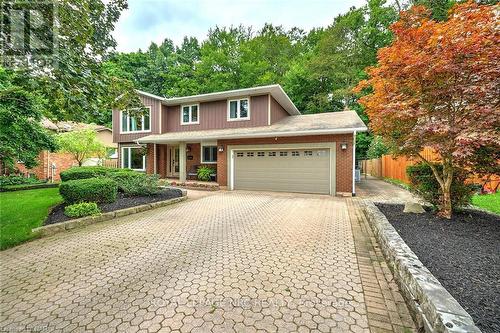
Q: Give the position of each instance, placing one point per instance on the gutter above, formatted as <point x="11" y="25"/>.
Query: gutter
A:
<point x="252" y="135"/>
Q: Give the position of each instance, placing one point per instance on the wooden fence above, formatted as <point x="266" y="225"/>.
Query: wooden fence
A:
<point x="110" y="163"/>
<point x="389" y="166"/>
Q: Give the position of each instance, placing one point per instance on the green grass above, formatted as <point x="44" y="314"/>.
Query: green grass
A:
<point x="397" y="182"/>
<point x="22" y="211"/>
<point x="489" y="202"/>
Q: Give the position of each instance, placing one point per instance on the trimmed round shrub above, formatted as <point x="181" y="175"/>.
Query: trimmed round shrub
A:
<point x="89" y="172"/>
<point x="425" y="184"/>
<point x="91" y="190"/>
<point x="82" y="209"/>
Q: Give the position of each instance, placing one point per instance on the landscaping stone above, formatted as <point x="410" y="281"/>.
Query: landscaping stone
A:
<point x="433" y="306"/>
<point x="52" y="229"/>
<point x="413" y="207"/>
<point x="461" y="252"/>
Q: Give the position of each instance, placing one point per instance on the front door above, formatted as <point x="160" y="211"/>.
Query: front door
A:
<point x="173" y="163"/>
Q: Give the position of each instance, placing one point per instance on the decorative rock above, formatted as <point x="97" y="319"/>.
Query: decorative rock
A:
<point x="413" y="207"/>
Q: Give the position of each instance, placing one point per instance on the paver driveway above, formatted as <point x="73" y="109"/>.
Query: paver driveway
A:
<point x="234" y="261"/>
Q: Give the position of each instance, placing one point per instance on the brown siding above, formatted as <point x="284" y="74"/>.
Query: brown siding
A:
<point x="277" y="111"/>
<point x="343" y="157"/>
<point x="155" y="122"/>
<point x="213" y="115"/>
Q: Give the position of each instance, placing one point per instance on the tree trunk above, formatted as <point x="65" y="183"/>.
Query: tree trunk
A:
<point x="446" y="208"/>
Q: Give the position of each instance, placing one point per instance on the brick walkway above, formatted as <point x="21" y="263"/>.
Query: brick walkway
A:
<point x="234" y="261"/>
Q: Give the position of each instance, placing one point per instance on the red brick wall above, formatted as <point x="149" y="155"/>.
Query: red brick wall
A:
<point x="161" y="155"/>
<point x="150" y="158"/>
<point x="63" y="161"/>
<point x="343" y="157"/>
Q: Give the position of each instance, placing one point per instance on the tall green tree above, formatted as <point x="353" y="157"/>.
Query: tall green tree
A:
<point x="74" y="82"/>
<point x="21" y="135"/>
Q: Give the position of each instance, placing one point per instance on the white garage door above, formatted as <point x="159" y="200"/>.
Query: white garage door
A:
<point x="284" y="170"/>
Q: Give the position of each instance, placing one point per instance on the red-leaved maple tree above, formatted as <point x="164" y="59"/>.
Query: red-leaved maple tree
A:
<point x="438" y="85"/>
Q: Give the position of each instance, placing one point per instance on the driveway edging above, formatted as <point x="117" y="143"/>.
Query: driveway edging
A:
<point x="433" y="307"/>
<point x="51" y="229"/>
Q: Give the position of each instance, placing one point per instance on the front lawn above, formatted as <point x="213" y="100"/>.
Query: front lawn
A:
<point x="22" y="211"/>
<point x="489" y="202"/>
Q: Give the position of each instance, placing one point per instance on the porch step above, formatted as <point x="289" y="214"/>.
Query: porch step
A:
<point x="194" y="185"/>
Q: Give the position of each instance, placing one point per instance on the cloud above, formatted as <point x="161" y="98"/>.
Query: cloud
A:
<point x="149" y="21"/>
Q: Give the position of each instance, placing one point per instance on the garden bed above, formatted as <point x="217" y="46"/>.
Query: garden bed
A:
<point x="122" y="201"/>
<point x="462" y="253"/>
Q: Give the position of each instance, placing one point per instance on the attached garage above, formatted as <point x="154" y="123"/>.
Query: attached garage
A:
<point x="284" y="169"/>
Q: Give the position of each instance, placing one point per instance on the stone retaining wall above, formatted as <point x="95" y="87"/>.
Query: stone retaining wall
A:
<point x="434" y="308"/>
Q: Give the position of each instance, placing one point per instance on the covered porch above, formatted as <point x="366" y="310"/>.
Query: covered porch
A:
<point x="179" y="161"/>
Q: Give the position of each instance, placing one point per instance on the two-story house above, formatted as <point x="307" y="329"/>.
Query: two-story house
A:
<point x="255" y="138"/>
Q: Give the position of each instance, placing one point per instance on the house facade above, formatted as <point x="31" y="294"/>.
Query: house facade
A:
<point x="254" y="139"/>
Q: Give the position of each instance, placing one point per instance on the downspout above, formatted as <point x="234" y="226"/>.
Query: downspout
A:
<point x="354" y="164"/>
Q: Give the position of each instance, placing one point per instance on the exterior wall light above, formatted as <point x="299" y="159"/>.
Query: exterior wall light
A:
<point x="221" y="149"/>
<point x="343" y="145"/>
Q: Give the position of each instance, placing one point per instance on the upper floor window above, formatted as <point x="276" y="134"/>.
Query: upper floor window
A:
<point x="140" y="122"/>
<point x="238" y="109"/>
<point x="190" y="114"/>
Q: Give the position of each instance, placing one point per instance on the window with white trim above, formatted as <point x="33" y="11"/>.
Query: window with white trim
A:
<point x="133" y="158"/>
<point x="190" y="114"/>
<point x="238" y="109"/>
<point x="140" y="122"/>
<point x="272" y="153"/>
<point x="209" y="154"/>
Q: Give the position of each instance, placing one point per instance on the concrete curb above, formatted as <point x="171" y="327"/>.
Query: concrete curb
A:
<point x="52" y="229"/>
<point x="433" y="307"/>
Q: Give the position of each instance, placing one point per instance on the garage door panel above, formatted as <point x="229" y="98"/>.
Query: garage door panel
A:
<point x="305" y="171"/>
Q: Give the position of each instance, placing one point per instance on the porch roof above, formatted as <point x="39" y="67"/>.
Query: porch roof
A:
<point x="300" y="125"/>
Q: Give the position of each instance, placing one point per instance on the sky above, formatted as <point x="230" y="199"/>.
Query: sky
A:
<point x="149" y="21"/>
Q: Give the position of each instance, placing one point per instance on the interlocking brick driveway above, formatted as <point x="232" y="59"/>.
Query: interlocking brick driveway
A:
<point x="234" y="261"/>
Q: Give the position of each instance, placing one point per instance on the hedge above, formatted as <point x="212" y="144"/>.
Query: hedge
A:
<point x="89" y="172"/>
<point x="17" y="180"/>
<point x="135" y="183"/>
<point x="90" y="190"/>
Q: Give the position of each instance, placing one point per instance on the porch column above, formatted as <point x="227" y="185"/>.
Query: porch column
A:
<point x="182" y="162"/>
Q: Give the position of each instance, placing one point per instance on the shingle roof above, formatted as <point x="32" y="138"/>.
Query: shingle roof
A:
<point x="68" y="126"/>
<point x="313" y="124"/>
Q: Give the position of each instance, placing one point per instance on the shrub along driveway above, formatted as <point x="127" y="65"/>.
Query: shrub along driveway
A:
<point x="235" y="261"/>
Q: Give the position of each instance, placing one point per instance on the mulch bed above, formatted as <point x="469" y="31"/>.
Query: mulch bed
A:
<point x="57" y="213"/>
<point x="462" y="253"/>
